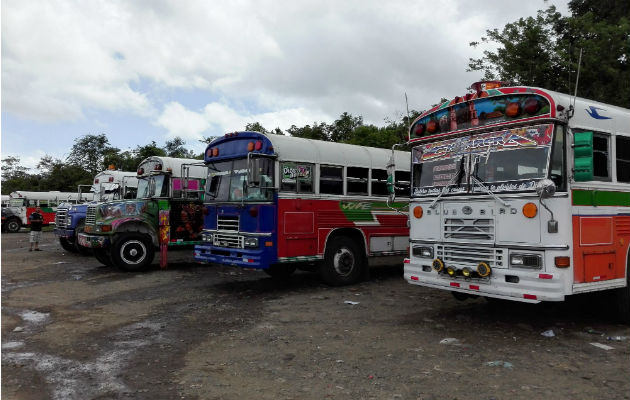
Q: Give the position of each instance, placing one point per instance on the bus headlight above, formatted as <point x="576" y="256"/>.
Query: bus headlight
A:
<point x="207" y="237"/>
<point x="250" y="242"/>
<point x="525" y="260"/>
<point x="423" y="252"/>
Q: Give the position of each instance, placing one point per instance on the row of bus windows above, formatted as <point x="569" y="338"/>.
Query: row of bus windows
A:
<point x="604" y="158"/>
<point x="359" y="181"/>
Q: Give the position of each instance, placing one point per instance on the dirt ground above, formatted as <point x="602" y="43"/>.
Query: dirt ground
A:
<point x="74" y="329"/>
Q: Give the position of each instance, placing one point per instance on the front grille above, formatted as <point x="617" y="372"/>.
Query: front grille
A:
<point x="228" y="240"/>
<point x="227" y="223"/>
<point x="480" y="229"/>
<point x="471" y="256"/>
<point x="61" y="217"/>
<point x="90" y="217"/>
<point x="227" y="232"/>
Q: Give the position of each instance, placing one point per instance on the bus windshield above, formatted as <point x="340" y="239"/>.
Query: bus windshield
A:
<point x="511" y="160"/>
<point x="227" y="181"/>
<point x="152" y="186"/>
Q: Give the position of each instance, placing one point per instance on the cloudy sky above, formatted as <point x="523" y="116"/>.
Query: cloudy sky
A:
<point x="144" y="70"/>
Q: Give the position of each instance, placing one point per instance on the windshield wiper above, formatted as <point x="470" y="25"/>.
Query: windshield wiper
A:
<point x="458" y="177"/>
<point x="477" y="181"/>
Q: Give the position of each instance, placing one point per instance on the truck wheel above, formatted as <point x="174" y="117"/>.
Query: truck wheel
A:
<point x="67" y="245"/>
<point x="343" y="262"/>
<point x="84" y="251"/>
<point x="280" y="271"/>
<point x="102" y="257"/>
<point x="132" y="252"/>
<point x="13" y="225"/>
<point x="623" y="298"/>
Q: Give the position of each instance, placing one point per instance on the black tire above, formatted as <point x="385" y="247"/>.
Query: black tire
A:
<point x="280" y="271"/>
<point x="132" y="251"/>
<point x="67" y="245"/>
<point x="623" y="299"/>
<point x="84" y="251"/>
<point x="13" y="225"/>
<point x="103" y="257"/>
<point x="343" y="262"/>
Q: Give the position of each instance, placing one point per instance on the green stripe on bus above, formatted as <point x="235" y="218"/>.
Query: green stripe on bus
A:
<point x="600" y="198"/>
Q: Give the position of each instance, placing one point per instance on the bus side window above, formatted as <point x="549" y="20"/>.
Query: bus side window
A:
<point x="357" y="180"/>
<point x="305" y="178"/>
<point x="288" y="179"/>
<point x="623" y="159"/>
<point x="403" y="183"/>
<point x="330" y="179"/>
<point x="379" y="182"/>
<point x="601" y="159"/>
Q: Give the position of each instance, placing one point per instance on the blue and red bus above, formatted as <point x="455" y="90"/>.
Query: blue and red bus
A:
<point x="276" y="202"/>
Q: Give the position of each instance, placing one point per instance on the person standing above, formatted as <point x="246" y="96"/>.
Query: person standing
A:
<point x="36" y="221"/>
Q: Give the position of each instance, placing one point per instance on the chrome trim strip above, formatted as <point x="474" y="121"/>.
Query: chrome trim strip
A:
<point x="492" y="245"/>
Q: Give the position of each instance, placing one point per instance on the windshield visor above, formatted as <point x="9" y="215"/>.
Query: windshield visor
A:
<point x="512" y="160"/>
<point x="228" y="180"/>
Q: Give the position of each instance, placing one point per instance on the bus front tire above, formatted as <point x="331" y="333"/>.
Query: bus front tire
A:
<point x="132" y="252"/>
<point x="280" y="271"/>
<point x="13" y="225"/>
<point x="67" y="245"/>
<point x="343" y="262"/>
<point x="102" y="257"/>
<point x="84" y="251"/>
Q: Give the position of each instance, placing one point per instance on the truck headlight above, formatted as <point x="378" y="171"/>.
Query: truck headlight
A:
<point x="423" y="252"/>
<point x="250" y="242"/>
<point x="520" y="260"/>
<point x="207" y="237"/>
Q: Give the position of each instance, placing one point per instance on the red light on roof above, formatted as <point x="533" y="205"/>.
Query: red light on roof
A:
<point x="215" y="152"/>
<point x="418" y="129"/>
<point x="258" y="145"/>
<point x="140" y="171"/>
<point x="432" y="126"/>
<point x="96" y="180"/>
<point x="158" y="167"/>
<point x="486" y="85"/>
<point x="111" y="179"/>
<point x="250" y="146"/>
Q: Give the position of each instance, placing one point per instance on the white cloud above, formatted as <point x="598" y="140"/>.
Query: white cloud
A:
<point x="278" y="63"/>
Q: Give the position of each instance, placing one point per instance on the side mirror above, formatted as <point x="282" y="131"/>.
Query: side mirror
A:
<point x="545" y="188"/>
<point x="583" y="156"/>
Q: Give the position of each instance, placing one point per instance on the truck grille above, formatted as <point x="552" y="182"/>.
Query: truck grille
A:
<point x="227" y="232"/>
<point x="227" y="223"/>
<point x="90" y="217"/>
<point x="61" y="217"/>
<point x="481" y="229"/>
<point x="471" y="256"/>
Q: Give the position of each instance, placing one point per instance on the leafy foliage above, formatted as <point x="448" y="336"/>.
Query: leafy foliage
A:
<point x="544" y="51"/>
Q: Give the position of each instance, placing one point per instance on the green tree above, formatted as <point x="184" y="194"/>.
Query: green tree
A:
<point x="544" y="51"/>
<point x="89" y="151"/>
<point x="342" y="129"/>
<point x="175" y="148"/>
<point x="256" y="127"/>
<point x="319" y="131"/>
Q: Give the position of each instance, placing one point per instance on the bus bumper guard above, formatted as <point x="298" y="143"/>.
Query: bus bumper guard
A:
<point x="229" y="256"/>
<point x="94" y="241"/>
<point x="64" y="233"/>
<point x="531" y="286"/>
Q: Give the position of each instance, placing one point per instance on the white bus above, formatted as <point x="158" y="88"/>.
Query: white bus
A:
<point x="25" y="202"/>
<point x="521" y="193"/>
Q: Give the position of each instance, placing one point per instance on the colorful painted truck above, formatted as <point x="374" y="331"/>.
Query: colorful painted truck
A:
<point x="521" y="193"/>
<point x="70" y="218"/>
<point x="166" y="212"/>
<point x="24" y="204"/>
<point x="277" y="202"/>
